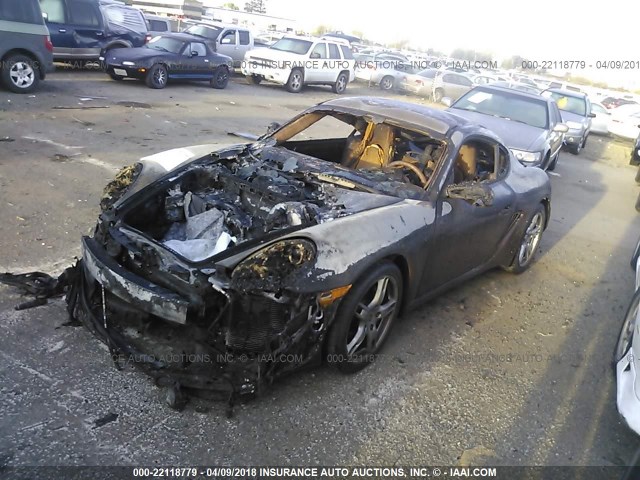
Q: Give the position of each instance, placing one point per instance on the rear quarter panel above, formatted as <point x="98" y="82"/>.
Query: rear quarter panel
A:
<point x="29" y="39"/>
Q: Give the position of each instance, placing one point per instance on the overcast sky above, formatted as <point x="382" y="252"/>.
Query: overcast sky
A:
<point x="538" y="30"/>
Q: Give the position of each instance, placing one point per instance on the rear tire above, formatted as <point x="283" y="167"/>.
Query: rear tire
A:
<point x="220" y="78"/>
<point x="341" y="83"/>
<point x="20" y="74"/>
<point x="365" y="318"/>
<point x="529" y="242"/>
<point x="296" y="81"/>
<point x="387" y="83"/>
<point x="157" y="77"/>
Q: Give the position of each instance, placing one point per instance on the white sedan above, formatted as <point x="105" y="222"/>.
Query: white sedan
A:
<point x="627" y="357"/>
<point x="625" y="121"/>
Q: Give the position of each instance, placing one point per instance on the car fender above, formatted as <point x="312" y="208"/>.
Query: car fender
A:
<point x="348" y="246"/>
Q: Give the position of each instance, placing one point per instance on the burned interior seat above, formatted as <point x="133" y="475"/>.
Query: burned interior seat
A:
<point x="373" y="149"/>
<point x="466" y="164"/>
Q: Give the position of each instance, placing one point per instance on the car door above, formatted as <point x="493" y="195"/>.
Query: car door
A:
<point x="55" y="14"/>
<point x="600" y="123"/>
<point x="468" y="234"/>
<point x="315" y="71"/>
<point x="227" y="44"/>
<point x="86" y="27"/>
<point x="334" y="64"/>
<point x="195" y="62"/>
<point x="555" y="138"/>
<point x="460" y="86"/>
<point x="244" y="45"/>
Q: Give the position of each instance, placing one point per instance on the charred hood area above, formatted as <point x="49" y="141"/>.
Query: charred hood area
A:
<point x="217" y="203"/>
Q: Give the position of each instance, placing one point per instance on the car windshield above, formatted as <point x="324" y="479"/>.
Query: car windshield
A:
<point x="511" y="106"/>
<point x="209" y="32"/>
<point x="568" y="103"/>
<point x="165" y="44"/>
<point x="293" y="45"/>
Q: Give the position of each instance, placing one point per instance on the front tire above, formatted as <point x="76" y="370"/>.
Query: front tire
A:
<point x="253" y="79"/>
<point x="529" y="242"/>
<point x="365" y="318"/>
<point x="157" y="77"/>
<point x="341" y="84"/>
<point x="220" y="78"/>
<point x="296" y="81"/>
<point x="20" y="74"/>
<point x="554" y="162"/>
<point x="576" y="149"/>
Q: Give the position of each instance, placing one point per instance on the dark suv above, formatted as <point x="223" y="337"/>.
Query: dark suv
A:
<point x="25" y="48"/>
<point x="82" y="29"/>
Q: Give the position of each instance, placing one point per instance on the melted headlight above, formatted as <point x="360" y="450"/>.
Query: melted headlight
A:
<point x="270" y="267"/>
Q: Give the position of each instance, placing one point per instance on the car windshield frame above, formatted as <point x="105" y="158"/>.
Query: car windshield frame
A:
<point x="573" y="102"/>
<point x="203" y="29"/>
<point x="281" y="45"/>
<point x="509" y="99"/>
<point x="167" y="42"/>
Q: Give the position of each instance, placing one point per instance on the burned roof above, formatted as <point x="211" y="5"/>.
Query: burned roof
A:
<point x="401" y="112"/>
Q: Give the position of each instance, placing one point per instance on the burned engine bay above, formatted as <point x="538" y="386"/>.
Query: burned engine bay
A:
<point x="223" y="203"/>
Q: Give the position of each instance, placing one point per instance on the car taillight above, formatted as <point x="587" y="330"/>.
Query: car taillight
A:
<point x="47" y="44"/>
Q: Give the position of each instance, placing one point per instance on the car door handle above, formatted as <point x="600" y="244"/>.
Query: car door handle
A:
<point x="62" y="30"/>
<point x="506" y="210"/>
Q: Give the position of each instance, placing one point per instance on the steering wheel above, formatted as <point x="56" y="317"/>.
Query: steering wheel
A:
<point x="402" y="164"/>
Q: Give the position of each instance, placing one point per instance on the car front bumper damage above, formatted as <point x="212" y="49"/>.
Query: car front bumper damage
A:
<point x="230" y="350"/>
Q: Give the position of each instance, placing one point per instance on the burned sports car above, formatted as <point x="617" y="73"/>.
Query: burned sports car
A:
<point x="223" y="270"/>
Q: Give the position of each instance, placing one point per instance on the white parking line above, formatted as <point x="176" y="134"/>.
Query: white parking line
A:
<point x="51" y="142"/>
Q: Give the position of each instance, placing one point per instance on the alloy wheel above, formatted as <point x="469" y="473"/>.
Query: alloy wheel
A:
<point x="373" y="316"/>
<point x="22" y="75"/>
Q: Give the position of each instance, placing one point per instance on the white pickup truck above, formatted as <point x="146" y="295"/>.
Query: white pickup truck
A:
<point x="298" y="61"/>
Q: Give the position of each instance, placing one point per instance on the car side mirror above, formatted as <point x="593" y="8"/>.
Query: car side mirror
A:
<point x="446" y="101"/>
<point x="194" y="54"/>
<point x="273" y="126"/>
<point x="314" y="55"/>
<point x="477" y="193"/>
<point x="561" y="128"/>
<point x="45" y="16"/>
<point x="592" y="115"/>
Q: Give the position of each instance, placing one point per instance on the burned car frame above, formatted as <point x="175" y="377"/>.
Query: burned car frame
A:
<point x="222" y="270"/>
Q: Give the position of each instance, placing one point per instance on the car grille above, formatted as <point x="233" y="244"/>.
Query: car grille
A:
<point x="262" y="62"/>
